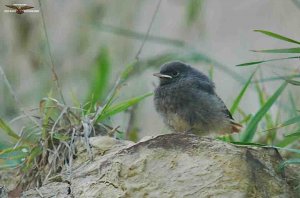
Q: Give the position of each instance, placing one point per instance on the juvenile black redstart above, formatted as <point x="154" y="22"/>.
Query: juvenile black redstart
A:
<point x="187" y="101"/>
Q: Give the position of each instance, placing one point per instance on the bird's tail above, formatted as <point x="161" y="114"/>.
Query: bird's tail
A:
<point x="235" y="127"/>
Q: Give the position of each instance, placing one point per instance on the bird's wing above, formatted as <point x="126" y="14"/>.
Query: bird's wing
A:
<point x="12" y="6"/>
<point x="235" y="127"/>
<point x="26" y="7"/>
<point x="225" y="109"/>
<point x="209" y="87"/>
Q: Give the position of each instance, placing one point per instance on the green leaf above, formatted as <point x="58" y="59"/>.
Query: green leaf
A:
<point x="250" y="131"/>
<point x="121" y="106"/>
<point x="292" y="102"/>
<point x="253" y="63"/>
<point x="271" y="135"/>
<point x="285" y="149"/>
<point x="12" y="157"/>
<point x="297" y="134"/>
<point x="115" y="90"/>
<point x="7" y="130"/>
<point x="100" y="77"/>
<point x="263" y="61"/>
<point x="241" y="94"/>
<point x="293" y="82"/>
<point x="288" y="139"/>
<point x="291" y="121"/>
<point x="277" y="36"/>
<point x="193" y="10"/>
<point x="286" y="50"/>
<point x="277" y="78"/>
<point x="127" y="71"/>
<point x="287" y="162"/>
<point x="8" y="164"/>
<point x="12" y="149"/>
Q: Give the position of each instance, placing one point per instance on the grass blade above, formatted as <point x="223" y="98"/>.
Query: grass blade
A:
<point x="292" y="102"/>
<point x="277" y="36"/>
<point x="193" y="10"/>
<point x="122" y="106"/>
<point x="276" y="78"/>
<point x="249" y="132"/>
<point x="293" y="82"/>
<point x="291" y="121"/>
<point x="264" y="61"/>
<point x="285" y="50"/>
<point x="289" y="139"/>
<point x="241" y="94"/>
<point x="100" y="77"/>
<point x="285" y="149"/>
<point x="297" y="134"/>
<point x="286" y="141"/>
<point x="287" y="162"/>
<point x="7" y="130"/>
<point x="262" y="96"/>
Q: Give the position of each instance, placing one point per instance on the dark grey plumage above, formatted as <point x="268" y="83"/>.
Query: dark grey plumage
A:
<point x="187" y="101"/>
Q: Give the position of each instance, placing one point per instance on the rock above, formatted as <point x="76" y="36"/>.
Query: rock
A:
<point x="3" y="192"/>
<point x="174" y="165"/>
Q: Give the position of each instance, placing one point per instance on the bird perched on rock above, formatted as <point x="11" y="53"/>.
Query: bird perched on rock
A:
<point x="187" y="101"/>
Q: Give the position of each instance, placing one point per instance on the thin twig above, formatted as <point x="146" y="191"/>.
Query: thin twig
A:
<point x="55" y="76"/>
<point x="132" y="112"/>
<point x="148" y="31"/>
<point x="112" y="132"/>
<point x="39" y="192"/>
<point x="12" y="92"/>
<point x="10" y="89"/>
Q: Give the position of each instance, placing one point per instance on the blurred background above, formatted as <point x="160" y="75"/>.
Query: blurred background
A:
<point x="96" y="39"/>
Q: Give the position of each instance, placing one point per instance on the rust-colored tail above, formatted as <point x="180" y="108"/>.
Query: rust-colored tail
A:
<point x="235" y="127"/>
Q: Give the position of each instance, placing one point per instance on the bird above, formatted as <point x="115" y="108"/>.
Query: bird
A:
<point x="187" y="100"/>
<point x="19" y="9"/>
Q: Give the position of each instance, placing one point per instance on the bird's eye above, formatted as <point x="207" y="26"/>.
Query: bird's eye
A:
<point x="175" y="73"/>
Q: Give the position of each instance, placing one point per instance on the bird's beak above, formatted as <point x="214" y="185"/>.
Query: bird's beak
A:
<point x="159" y="75"/>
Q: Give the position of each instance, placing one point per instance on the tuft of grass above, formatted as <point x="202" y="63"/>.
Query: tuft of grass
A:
<point x="57" y="130"/>
<point x="287" y="50"/>
<point x="289" y="139"/>
<point x="250" y="130"/>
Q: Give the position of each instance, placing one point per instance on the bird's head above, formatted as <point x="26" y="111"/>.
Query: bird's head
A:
<point x="175" y="71"/>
